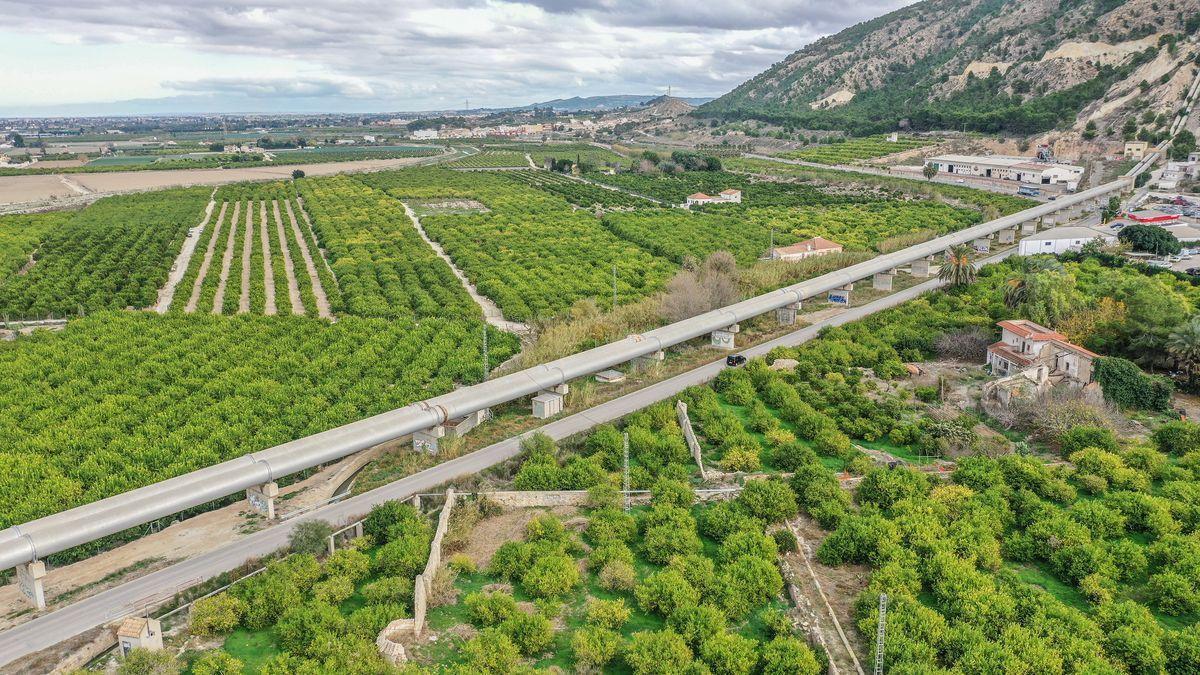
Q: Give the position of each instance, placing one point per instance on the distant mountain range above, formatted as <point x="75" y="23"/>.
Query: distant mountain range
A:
<point x="195" y="104"/>
<point x="602" y="103"/>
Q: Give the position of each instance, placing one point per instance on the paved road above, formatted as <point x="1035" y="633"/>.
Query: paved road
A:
<point x="138" y="595"/>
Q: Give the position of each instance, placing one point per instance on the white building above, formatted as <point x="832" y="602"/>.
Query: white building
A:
<point x="1019" y="169"/>
<point x="1062" y="239"/>
<point x="725" y="197"/>
<point x="808" y="248"/>
<point x="424" y="135"/>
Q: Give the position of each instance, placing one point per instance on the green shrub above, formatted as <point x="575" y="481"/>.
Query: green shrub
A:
<point x="491" y="652"/>
<point x="594" y="647"/>
<point x="654" y="652"/>
<point x="388" y="590"/>
<point x="611" y="614"/>
<point x="551" y="576"/>
<point x="531" y="633"/>
<point x="216" y="615"/>
<point x="489" y="609"/>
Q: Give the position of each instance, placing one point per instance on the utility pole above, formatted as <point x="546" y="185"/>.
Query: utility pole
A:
<point x="485" y="352"/>
<point x="880" y="635"/>
<point x="614" y="305"/>
<point x="625" y="480"/>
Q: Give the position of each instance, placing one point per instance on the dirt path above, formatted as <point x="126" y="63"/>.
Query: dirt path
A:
<point x="826" y="599"/>
<point x="530" y="160"/>
<point x="76" y="187"/>
<point x="227" y="260"/>
<point x="293" y="287"/>
<point x="247" y="249"/>
<point x="204" y="264"/>
<point x="491" y="312"/>
<point x="309" y="225"/>
<point x="318" y="290"/>
<point x="268" y="277"/>
<point x="166" y="294"/>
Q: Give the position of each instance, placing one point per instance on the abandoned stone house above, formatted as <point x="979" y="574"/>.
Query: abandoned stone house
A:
<point x="1031" y="359"/>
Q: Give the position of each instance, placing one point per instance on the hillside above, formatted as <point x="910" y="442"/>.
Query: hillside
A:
<point x="1020" y="66"/>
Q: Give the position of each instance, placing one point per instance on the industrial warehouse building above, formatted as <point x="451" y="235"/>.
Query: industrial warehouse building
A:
<point x="1062" y="239"/>
<point x="1018" y="169"/>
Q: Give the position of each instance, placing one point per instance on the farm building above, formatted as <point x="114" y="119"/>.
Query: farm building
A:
<point x="1062" y="239"/>
<point x="805" y="249"/>
<point x="1019" y="169"/>
<point x="724" y="197"/>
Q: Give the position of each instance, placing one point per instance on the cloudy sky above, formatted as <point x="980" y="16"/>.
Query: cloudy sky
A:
<point x="380" y="55"/>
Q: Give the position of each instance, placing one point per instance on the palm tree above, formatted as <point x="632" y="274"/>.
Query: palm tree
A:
<point x="958" y="270"/>
<point x="1016" y="292"/>
<point x="1183" y="344"/>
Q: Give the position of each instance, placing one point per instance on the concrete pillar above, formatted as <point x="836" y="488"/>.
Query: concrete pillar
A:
<point x="29" y="580"/>
<point x="426" y="440"/>
<point x="982" y="244"/>
<point x="725" y="338"/>
<point x="1007" y="236"/>
<point x="922" y="267"/>
<point x="332" y="545"/>
<point x="1029" y="227"/>
<point x="649" y="360"/>
<point x="841" y="296"/>
<point x="547" y="404"/>
<point x="786" y="316"/>
<point x="358" y="530"/>
<point x="1049" y="220"/>
<point x="415" y="500"/>
<point x="262" y="498"/>
<point x="883" y="280"/>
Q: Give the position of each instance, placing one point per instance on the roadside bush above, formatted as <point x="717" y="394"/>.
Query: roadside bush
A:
<point x="311" y="537"/>
<point x="216" y="662"/>
<point x="146" y="662"/>
<point x="349" y="563"/>
<point x="216" y="615"/>
<point x="388" y="515"/>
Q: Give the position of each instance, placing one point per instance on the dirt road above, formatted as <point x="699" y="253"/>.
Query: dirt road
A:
<point x="166" y="294"/>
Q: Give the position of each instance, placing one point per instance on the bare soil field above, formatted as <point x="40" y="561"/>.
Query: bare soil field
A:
<point x="18" y="189"/>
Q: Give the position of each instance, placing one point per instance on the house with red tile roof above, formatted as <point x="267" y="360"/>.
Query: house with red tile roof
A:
<point x="805" y="249"/>
<point x="723" y="197"/>
<point x="1024" y="344"/>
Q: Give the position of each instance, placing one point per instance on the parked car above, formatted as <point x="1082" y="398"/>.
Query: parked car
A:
<point x="735" y="360"/>
<point x="1194" y="271"/>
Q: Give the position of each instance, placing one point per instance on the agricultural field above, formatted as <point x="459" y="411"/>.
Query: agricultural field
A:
<point x="123" y="399"/>
<point x="990" y="202"/>
<point x="575" y="191"/>
<point x="662" y="589"/>
<point x="20" y="236"/>
<point x="383" y="266"/>
<point x="576" y="152"/>
<point x="1088" y="565"/>
<point x="491" y="159"/>
<point x="114" y="254"/>
<point x="747" y="233"/>
<point x="674" y="188"/>
<point x="257" y="255"/>
<point x="155" y="162"/>
<point x="531" y="253"/>
<point x="853" y="150"/>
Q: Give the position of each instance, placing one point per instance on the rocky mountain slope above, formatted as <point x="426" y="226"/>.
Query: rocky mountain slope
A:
<point x="1021" y="66"/>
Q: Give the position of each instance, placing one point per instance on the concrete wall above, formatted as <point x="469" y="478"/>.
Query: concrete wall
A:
<point x="690" y="436"/>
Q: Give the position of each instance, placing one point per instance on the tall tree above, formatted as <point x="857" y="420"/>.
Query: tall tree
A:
<point x="1183" y="344"/>
<point x="958" y="270"/>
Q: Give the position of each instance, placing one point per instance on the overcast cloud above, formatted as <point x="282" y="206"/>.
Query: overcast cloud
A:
<point x="407" y="55"/>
